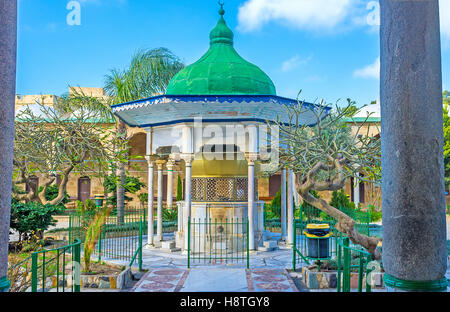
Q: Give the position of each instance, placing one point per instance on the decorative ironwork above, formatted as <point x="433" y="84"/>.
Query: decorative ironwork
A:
<point x="220" y="189"/>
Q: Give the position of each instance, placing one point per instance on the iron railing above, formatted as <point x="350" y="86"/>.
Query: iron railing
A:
<point x="53" y="265"/>
<point x="218" y="241"/>
<point x="352" y="259"/>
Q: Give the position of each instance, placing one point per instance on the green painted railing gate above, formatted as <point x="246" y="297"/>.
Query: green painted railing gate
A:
<point x="218" y="241"/>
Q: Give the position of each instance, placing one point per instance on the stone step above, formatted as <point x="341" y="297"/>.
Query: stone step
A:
<point x="270" y="244"/>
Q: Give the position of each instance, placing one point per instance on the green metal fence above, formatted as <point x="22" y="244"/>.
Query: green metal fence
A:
<point x="57" y="268"/>
<point x="57" y="264"/>
<point x="352" y="260"/>
<point x="118" y="240"/>
<point x="218" y="241"/>
<point x="312" y="215"/>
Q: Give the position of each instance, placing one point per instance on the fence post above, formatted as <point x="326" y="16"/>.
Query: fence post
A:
<point x="361" y="272"/>
<point x="339" y="254"/>
<point x="189" y="242"/>
<point x="346" y="286"/>
<point x="140" y="245"/>
<point x="100" y="243"/>
<point x="248" y="245"/>
<point x="294" y="247"/>
<point x="368" y="275"/>
<point x="76" y="275"/>
<point x="34" y="272"/>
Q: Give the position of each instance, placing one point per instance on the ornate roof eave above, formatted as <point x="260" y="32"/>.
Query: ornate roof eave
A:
<point x="173" y="109"/>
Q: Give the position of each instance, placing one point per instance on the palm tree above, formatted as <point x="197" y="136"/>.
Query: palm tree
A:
<point x="8" y="44"/>
<point x="148" y="75"/>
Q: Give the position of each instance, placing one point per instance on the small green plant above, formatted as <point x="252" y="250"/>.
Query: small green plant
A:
<point x="340" y="201"/>
<point x="179" y="189"/>
<point x="375" y="215"/>
<point x="93" y="234"/>
<point x="170" y="214"/>
<point x="143" y="198"/>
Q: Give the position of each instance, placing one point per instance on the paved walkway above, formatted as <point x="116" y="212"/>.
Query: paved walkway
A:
<point x="215" y="280"/>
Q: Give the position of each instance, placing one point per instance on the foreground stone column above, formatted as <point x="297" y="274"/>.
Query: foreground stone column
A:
<point x="283" y="203"/>
<point x="414" y="225"/>
<point x="188" y="159"/>
<point x="159" y="213"/>
<point x="170" y="184"/>
<point x="151" y="170"/>
<point x="8" y="41"/>
<point x="290" y="208"/>
<point x="251" y="159"/>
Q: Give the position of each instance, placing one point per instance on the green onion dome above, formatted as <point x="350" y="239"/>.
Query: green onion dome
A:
<point x="221" y="71"/>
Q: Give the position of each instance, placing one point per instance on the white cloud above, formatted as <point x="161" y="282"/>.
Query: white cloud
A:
<point x="445" y="18"/>
<point x="309" y="14"/>
<point x="370" y="71"/>
<point x="294" y="62"/>
<point x="321" y="14"/>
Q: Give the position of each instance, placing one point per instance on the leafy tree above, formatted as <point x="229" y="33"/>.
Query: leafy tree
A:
<point x="326" y="155"/>
<point x="32" y="217"/>
<point x="132" y="185"/>
<point x="447" y="138"/>
<point x="68" y="137"/>
<point x="148" y="75"/>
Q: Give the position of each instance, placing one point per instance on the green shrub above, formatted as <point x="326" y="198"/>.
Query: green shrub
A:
<point x="179" y="189"/>
<point x="375" y="215"/>
<point x="170" y="215"/>
<point x="143" y="198"/>
<point x="31" y="218"/>
<point x="340" y="201"/>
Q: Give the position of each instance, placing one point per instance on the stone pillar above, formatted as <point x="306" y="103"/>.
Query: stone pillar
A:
<point x="290" y="208"/>
<point x="151" y="170"/>
<point x="169" y="166"/>
<point x="188" y="159"/>
<point x="159" y="234"/>
<point x="356" y="192"/>
<point x="414" y="225"/>
<point x="251" y="158"/>
<point x="283" y="203"/>
<point x="8" y="43"/>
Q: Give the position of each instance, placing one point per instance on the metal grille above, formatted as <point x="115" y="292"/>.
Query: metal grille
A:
<point x="241" y="189"/>
<point x="220" y="189"/>
<point x="198" y="189"/>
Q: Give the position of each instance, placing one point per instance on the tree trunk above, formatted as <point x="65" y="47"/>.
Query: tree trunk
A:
<point x="121" y="193"/>
<point x="120" y="173"/>
<point x="8" y="47"/>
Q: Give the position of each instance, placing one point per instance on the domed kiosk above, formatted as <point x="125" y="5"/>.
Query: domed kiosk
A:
<point x="212" y="122"/>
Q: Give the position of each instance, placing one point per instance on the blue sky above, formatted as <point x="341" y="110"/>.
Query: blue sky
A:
<point x="327" y="48"/>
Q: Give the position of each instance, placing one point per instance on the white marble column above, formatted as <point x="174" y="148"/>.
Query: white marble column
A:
<point x="290" y="208"/>
<point x="251" y="158"/>
<point x="356" y="197"/>
<point x="169" y="166"/>
<point x="188" y="159"/>
<point x="159" y="235"/>
<point x="283" y="203"/>
<point x="150" y="201"/>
